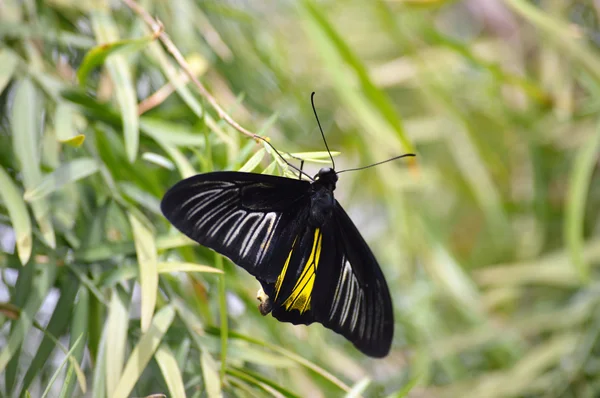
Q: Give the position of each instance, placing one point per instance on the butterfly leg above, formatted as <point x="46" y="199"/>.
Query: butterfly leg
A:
<point x="266" y="305"/>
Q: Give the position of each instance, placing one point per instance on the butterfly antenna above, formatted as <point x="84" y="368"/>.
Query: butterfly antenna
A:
<point x="312" y="101"/>
<point x="378" y="163"/>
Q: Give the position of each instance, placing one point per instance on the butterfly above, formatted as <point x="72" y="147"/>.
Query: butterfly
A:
<point x="295" y="238"/>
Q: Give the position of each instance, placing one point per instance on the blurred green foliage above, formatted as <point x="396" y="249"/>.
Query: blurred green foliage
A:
<point x="490" y="240"/>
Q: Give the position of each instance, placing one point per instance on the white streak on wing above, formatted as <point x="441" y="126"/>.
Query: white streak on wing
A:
<point x="235" y="231"/>
<point x="346" y="277"/>
<point x="336" y="296"/>
<point x="355" y="304"/>
<point x="251" y="236"/>
<point x="199" y="195"/>
<point x="224" y="221"/>
<point x="265" y="246"/>
<point x="192" y="212"/>
<point x="211" y="213"/>
<point x="269" y="218"/>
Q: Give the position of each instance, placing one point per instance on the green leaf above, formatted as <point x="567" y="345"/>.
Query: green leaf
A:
<point x="59" y="368"/>
<point x="42" y="283"/>
<point x="379" y="101"/>
<point x="359" y="388"/>
<point x="143" y="351"/>
<point x="171" y="133"/>
<point x="586" y="160"/>
<point x="170" y="371"/>
<point x="210" y="374"/>
<point x="19" y="217"/>
<point x="145" y="248"/>
<point x="56" y="327"/>
<point x="254" y="161"/>
<point x="8" y="64"/>
<point x="64" y="122"/>
<point x="78" y="330"/>
<point x="177" y="266"/>
<point x="116" y="339"/>
<point x="26" y="135"/>
<point x="106" y="31"/>
<point x="65" y="174"/>
<point x="98" y="55"/>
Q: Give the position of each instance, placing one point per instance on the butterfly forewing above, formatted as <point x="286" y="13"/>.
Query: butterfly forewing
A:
<point x="250" y="218"/>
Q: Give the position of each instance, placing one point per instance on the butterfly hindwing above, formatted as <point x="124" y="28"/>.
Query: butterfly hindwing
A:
<point x="250" y="218"/>
<point x="355" y="300"/>
<point x="332" y="277"/>
<point x="294" y="293"/>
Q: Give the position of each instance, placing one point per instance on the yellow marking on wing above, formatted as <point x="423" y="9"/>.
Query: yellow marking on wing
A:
<point x="301" y="293"/>
<point x="283" y="271"/>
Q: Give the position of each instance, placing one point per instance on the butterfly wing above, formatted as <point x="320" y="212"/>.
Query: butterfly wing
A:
<point x="332" y="277"/>
<point x="324" y="273"/>
<point x="354" y="299"/>
<point x="251" y="218"/>
<point x="293" y="294"/>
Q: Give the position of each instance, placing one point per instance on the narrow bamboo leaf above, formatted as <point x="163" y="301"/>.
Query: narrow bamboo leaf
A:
<point x="359" y="388"/>
<point x="223" y="318"/>
<point x="586" y="161"/>
<point x="562" y="34"/>
<point x="64" y="125"/>
<point x="106" y="31"/>
<point x="449" y="274"/>
<point x="56" y="327"/>
<point x="171" y="133"/>
<point x="177" y="266"/>
<point x="270" y="168"/>
<point x="59" y="368"/>
<point x="26" y="140"/>
<point x="100" y="381"/>
<point x="380" y="102"/>
<point x="104" y="251"/>
<point x="98" y="55"/>
<point x="116" y="338"/>
<point x="141" y="197"/>
<point x="19" y="217"/>
<point x="158" y="160"/>
<point x="405" y="390"/>
<point x="170" y="371"/>
<point x="42" y="283"/>
<point x="145" y="248"/>
<point x="312" y="156"/>
<point x="288" y="354"/>
<point x="183" y="164"/>
<point x="143" y="351"/>
<point x="261" y="382"/>
<point x="211" y="376"/>
<point x="8" y="64"/>
<point x="254" y="161"/>
<point x="79" y="324"/>
<point x="65" y="174"/>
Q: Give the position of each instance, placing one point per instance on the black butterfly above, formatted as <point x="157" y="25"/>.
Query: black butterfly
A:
<point x="297" y="240"/>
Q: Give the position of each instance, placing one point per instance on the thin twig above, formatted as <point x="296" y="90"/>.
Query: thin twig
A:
<point x="157" y="27"/>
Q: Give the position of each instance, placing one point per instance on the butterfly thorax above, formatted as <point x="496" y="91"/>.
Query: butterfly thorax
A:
<point x="321" y="198"/>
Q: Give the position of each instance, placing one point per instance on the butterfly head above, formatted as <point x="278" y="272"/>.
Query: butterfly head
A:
<point x="327" y="176"/>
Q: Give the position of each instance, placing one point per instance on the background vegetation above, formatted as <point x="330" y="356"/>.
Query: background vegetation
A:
<point x="490" y="239"/>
